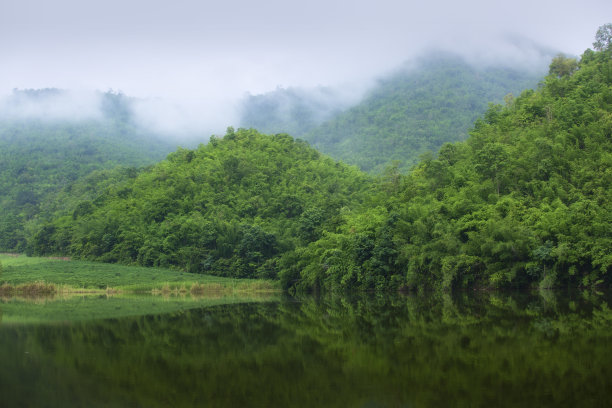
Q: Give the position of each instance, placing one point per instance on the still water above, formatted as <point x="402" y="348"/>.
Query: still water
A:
<point x="434" y="350"/>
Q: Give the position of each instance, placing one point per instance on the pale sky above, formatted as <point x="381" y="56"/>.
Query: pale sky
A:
<point x="215" y="51"/>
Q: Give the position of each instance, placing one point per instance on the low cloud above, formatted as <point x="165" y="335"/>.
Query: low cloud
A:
<point x="185" y="118"/>
<point x="183" y="121"/>
<point x="51" y="105"/>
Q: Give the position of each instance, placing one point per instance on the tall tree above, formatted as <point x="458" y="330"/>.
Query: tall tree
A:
<point x="603" y="38"/>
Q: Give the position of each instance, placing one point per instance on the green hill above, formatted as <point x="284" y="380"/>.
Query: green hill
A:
<point x="417" y="109"/>
<point x="525" y="200"/>
<point x="39" y="155"/>
<point x="233" y="207"/>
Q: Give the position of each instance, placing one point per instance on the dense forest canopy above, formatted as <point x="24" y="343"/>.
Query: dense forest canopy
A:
<point x="526" y="199"/>
<point x="232" y="207"/>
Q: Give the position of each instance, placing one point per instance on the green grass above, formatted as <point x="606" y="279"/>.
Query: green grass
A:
<point x="18" y="270"/>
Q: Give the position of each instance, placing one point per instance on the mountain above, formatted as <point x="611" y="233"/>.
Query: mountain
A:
<point x="427" y="103"/>
<point x="49" y="138"/>
<point x="526" y="200"/>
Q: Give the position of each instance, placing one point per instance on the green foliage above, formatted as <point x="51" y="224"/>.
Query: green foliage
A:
<point x="416" y="110"/>
<point x="233" y="207"/>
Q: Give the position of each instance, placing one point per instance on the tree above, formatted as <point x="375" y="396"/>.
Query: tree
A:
<point x="562" y="66"/>
<point x="603" y="38"/>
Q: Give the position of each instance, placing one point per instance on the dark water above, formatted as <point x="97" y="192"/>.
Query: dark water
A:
<point x="471" y="350"/>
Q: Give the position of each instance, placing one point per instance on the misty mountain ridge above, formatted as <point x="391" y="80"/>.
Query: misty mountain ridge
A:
<point x="50" y="137"/>
<point x="419" y="107"/>
<point x="60" y="124"/>
<point x="299" y="110"/>
<point x="523" y="202"/>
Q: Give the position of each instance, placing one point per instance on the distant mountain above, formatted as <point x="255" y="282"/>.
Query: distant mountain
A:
<point x="417" y="109"/>
<point x="294" y="110"/>
<point x="50" y="137"/>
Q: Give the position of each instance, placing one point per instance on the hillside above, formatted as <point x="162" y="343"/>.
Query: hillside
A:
<point x="233" y="207"/>
<point x="43" y="149"/>
<point x="417" y="109"/>
<point x="525" y="200"/>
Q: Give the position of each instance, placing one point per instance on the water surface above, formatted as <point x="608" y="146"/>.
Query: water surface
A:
<point x="470" y="350"/>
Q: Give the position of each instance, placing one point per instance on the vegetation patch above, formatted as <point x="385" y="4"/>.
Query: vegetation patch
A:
<point x="92" y="277"/>
<point x="28" y="289"/>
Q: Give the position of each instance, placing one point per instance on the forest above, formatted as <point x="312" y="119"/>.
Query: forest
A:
<point x="523" y="201"/>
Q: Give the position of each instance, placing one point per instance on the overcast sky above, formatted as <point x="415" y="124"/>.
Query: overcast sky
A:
<point x="218" y="50"/>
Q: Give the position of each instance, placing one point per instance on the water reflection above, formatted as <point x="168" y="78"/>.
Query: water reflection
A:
<point x="477" y="349"/>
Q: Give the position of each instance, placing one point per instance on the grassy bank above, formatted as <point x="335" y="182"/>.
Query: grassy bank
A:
<point x="23" y="275"/>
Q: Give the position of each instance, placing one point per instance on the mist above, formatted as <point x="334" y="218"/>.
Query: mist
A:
<point x="185" y="119"/>
<point x="189" y="118"/>
<point x="190" y="65"/>
<point x="51" y="105"/>
<point x="182" y="121"/>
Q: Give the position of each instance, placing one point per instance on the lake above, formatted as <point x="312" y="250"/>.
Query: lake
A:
<point x="472" y="349"/>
